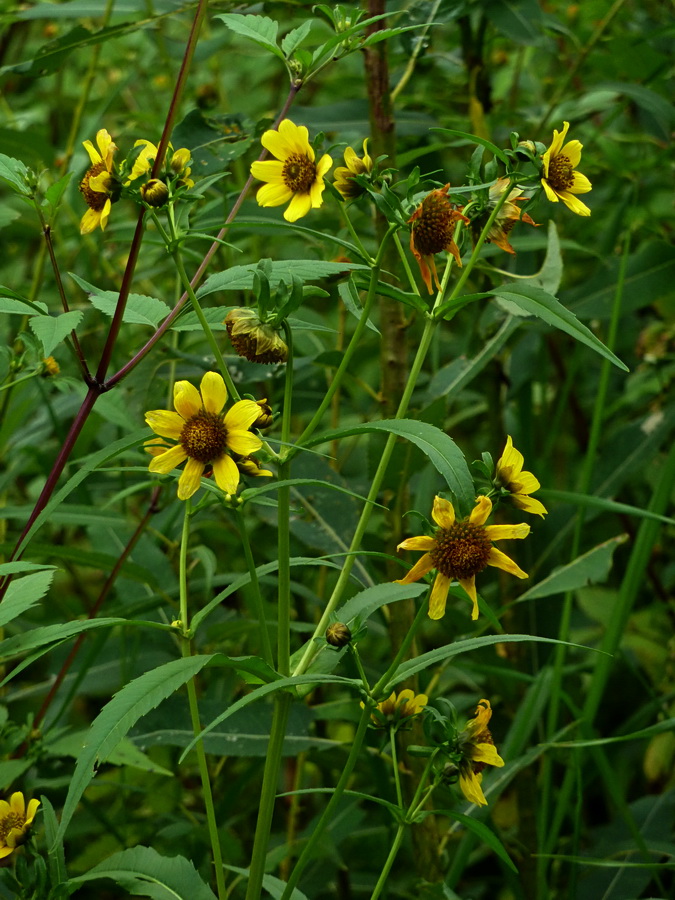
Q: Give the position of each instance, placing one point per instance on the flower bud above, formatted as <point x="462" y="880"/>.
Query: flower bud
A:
<point x="155" y="192"/>
<point x="338" y="635"/>
<point x="50" y="367"/>
<point x="265" y="419"/>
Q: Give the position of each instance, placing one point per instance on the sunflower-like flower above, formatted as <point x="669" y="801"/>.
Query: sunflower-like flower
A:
<point x="398" y="708"/>
<point x="255" y="340"/>
<point x="354" y="165"/>
<point x="293" y="175"/>
<point x="510" y="476"/>
<point x="478" y="750"/>
<point x="178" y="164"/>
<point x="99" y="187"/>
<point x="507" y="216"/>
<point x="432" y="230"/>
<point x="459" y="551"/>
<point x="560" y="181"/>
<point x="15" y="820"/>
<point x="204" y="433"/>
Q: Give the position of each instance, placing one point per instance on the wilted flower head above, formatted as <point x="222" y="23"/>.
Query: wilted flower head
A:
<point x="253" y="339"/>
<point x="354" y="165"/>
<point x="507" y="216"/>
<point x="99" y="187"/>
<point x="478" y="750"/>
<point x="459" y="551"/>
<point x="432" y="230"/>
<point x="560" y="181"/>
<point x="15" y="820"/>
<point x="178" y="163"/>
<point x="509" y="475"/>
<point x="294" y="175"/>
<point x="395" y="710"/>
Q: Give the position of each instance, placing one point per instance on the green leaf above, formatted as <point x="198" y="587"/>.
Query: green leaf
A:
<point x="23" y="593"/>
<point x="13" y="769"/>
<point x="364" y="604"/>
<point x="240" y="278"/>
<point x="593" y="502"/>
<point x="260" y="29"/>
<point x="389" y="290"/>
<point x="50" y="57"/>
<point x="535" y="301"/>
<point x="15" y="173"/>
<point x="50" y="634"/>
<point x="295" y="37"/>
<point x="19" y="306"/>
<point x="128" y="705"/>
<point x="252" y="493"/>
<point x="51" y="330"/>
<point x="350" y="297"/>
<point x="438" y="446"/>
<point x="143" y="872"/>
<point x="650" y="731"/>
<point x="590" y="568"/>
<point x="125" y="754"/>
<point x="275" y="887"/>
<point x="214" y="141"/>
<point x="475" y="139"/>
<point x="56" y="859"/>
<point x="214" y="315"/>
<point x="55" y="191"/>
<point x="139" y="309"/>
<point x="482" y="832"/>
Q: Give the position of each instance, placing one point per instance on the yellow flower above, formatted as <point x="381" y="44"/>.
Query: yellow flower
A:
<point x="354" y="165"/>
<point x="293" y="175"/>
<point x="99" y="187"/>
<point x="204" y="434"/>
<point x="509" y="474"/>
<point x="50" y="367"/>
<point x="478" y="750"/>
<point x="15" y="820"/>
<point x="460" y="550"/>
<point x="507" y="216"/>
<point x="432" y="230"/>
<point x="560" y="181"/>
<point x="146" y="158"/>
<point x="396" y="708"/>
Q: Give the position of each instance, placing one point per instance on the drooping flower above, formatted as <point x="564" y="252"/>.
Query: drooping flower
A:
<point x="206" y="435"/>
<point x="354" y="165"/>
<point x="478" y="750"/>
<point x="50" y="367"/>
<point x="178" y="163"/>
<point x="255" y="340"/>
<point x="459" y="551"/>
<point x="15" y="820"/>
<point x="432" y="230"/>
<point x="397" y="708"/>
<point x="293" y="175"/>
<point x="507" y="216"/>
<point x="560" y="181"/>
<point x="510" y="476"/>
<point x="99" y="187"/>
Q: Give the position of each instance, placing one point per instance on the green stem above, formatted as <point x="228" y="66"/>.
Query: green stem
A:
<point x="327" y="815"/>
<point x="258" y="605"/>
<point x="406" y="266"/>
<point x="186" y="650"/>
<point x="13" y="384"/>
<point x="389" y="862"/>
<point x="357" y="240"/>
<point x="394" y="765"/>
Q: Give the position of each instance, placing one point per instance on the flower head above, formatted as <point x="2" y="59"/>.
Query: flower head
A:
<point x="15" y="820"/>
<point x="50" y="367"/>
<point x="354" y="165"/>
<point x="178" y="164"/>
<point x="478" y="750"/>
<point x="432" y="230"/>
<point x="293" y="175"/>
<point x="204" y="434"/>
<point x="254" y="339"/>
<point x="395" y="709"/>
<point x="459" y="551"/>
<point x="560" y="181"/>
<point x="510" y="476"/>
<point x="507" y="216"/>
<point x="99" y="187"/>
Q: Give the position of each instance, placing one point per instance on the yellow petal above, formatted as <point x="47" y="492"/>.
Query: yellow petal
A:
<point x="166" y="462"/>
<point x="90" y="221"/>
<point x="507" y="532"/>
<point x="572" y="150"/>
<point x="571" y="202"/>
<point x="241" y="415"/>
<point x="470" y="786"/>
<point x="274" y="194"/>
<point x="18" y="804"/>
<point x="186" y="399"/>
<point x="277" y="145"/>
<point x="316" y="194"/>
<point x="105" y="213"/>
<point x="165" y="423"/>
<point x="486" y="753"/>
<point x="32" y="809"/>
<point x="94" y="155"/>
<point x="580" y="184"/>
<point x="481" y="511"/>
<point x="469" y="585"/>
<point x="527" y="483"/>
<point x="296" y="138"/>
<point x="423" y="565"/>
<point x="501" y="561"/>
<point x="243" y="442"/>
<point x="511" y="459"/>
<point x="213" y="391"/>
<point x="4" y="808"/>
<point x="529" y="504"/>
<point x="443" y="513"/>
<point x="323" y="166"/>
<point x="299" y="206"/>
<point x="422" y="542"/>
<point x="5" y="851"/>
<point x="548" y="190"/>
<point x="106" y="146"/>
<point x="226" y="474"/>
<point x="439" y="596"/>
<point x="100" y="183"/>
<point x="190" y="479"/>
<point x="268" y="170"/>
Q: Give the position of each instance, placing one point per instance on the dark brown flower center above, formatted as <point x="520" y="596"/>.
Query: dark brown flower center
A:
<point x="204" y="437"/>
<point x="462" y="550"/>
<point x="299" y="173"/>
<point x="9" y="821"/>
<point x="433" y="229"/>
<point x="95" y="200"/>
<point x="560" y="173"/>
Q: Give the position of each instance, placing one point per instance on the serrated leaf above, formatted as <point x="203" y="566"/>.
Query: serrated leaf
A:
<point x="125" y="754"/>
<point x="364" y="604"/>
<point x="590" y="568"/>
<point x="51" y="330"/>
<point x="260" y="29"/>
<point x="434" y="443"/>
<point x="240" y="278"/>
<point x="295" y="37"/>
<point x="15" y="173"/>
<point x="475" y="139"/>
<point x="134" y="700"/>
<point x="214" y="141"/>
<point x="51" y="634"/>
<point x="350" y="297"/>
<point x="15" y="304"/>
<point x="142" y="871"/>
<point x="23" y="593"/>
<point x="139" y="309"/>
<point x="56" y="860"/>
<point x="535" y="301"/>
